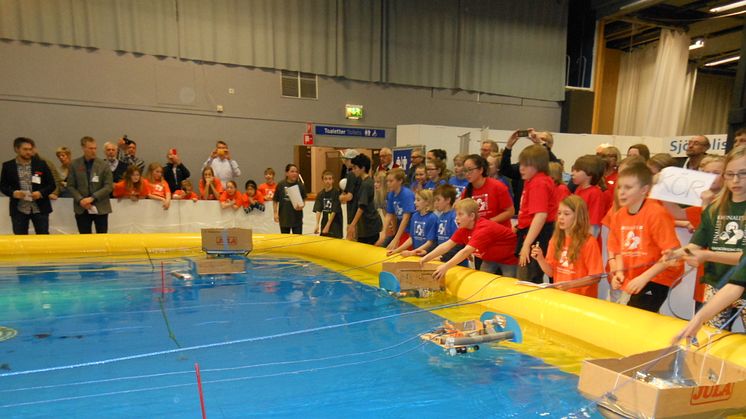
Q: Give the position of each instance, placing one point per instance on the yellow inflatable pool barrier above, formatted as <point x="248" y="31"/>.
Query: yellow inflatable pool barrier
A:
<point x="578" y="327"/>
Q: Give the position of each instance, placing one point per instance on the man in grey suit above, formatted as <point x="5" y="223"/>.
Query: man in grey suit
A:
<point x="90" y="183"/>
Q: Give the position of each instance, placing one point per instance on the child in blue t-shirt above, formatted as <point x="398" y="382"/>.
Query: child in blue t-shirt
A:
<point x="459" y="180"/>
<point x="399" y="208"/>
<point x="422" y="227"/>
<point x="443" y="200"/>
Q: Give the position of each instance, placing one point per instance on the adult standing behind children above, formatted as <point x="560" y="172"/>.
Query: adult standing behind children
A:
<point x="175" y="172"/>
<point x="222" y="165"/>
<point x="90" y="184"/>
<point x="492" y="195"/>
<point x="118" y="167"/>
<point x="28" y="182"/>
<point x="366" y="224"/>
<point x="288" y="215"/>
<point x="127" y="153"/>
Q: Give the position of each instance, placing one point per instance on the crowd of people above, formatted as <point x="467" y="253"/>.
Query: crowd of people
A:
<point x="468" y="215"/>
<point x="32" y="182"/>
<point x="525" y="220"/>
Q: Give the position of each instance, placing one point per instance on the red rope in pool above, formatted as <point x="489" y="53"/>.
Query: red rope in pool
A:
<point x="199" y="388"/>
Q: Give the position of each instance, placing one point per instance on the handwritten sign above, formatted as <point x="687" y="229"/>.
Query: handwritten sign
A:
<point x="682" y="186"/>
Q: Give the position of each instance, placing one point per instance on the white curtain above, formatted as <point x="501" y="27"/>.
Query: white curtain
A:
<point x="652" y="97"/>
<point x="708" y="113"/>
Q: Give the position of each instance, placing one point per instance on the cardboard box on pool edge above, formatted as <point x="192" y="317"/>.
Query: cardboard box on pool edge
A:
<point x="637" y="398"/>
<point x="412" y="276"/>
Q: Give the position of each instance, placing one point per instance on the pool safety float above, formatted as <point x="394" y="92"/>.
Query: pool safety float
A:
<point x="460" y="338"/>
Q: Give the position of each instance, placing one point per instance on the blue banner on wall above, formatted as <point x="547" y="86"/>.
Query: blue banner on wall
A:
<point x="350" y="132"/>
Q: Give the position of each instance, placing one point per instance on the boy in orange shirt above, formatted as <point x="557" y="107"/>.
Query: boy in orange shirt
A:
<point x="640" y="232"/>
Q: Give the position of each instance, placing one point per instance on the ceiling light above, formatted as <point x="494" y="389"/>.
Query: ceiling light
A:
<point x="723" y="61"/>
<point x="727" y="7"/>
<point x="698" y="43"/>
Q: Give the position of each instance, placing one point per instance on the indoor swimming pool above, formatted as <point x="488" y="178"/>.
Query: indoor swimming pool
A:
<point x="102" y="338"/>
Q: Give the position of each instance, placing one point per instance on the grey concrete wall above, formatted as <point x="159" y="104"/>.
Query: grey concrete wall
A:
<point x="58" y="94"/>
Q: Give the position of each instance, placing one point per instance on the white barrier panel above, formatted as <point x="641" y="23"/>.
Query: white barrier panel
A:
<point x="148" y="216"/>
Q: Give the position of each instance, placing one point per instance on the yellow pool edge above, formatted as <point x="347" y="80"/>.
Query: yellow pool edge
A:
<point x="610" y="327"/>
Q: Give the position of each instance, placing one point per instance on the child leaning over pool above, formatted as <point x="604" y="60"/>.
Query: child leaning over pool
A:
<point x="422" y="227"/>
<point x="443" y="198"/>
<point x="328" y="209"/>
<point x="573" y="252"/>
<point x="253" y="199"/>
<point x="492" y="242"/>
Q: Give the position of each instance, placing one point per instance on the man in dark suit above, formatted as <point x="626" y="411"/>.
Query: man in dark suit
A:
<point x="90" y="184"/>
<point x="28" y="181"/>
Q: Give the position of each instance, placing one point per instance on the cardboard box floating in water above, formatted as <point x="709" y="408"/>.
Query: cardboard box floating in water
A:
<point x="413" y="276"/>
<point x="664" y="384"/>
<point x="227" y="240"/>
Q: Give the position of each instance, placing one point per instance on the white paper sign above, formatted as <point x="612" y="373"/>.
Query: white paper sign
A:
<point x="682" y="186"/>
<point x="294" y="194"/>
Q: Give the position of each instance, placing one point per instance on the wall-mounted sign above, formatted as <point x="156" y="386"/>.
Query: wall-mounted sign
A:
<point x="350" y="132"/>
<point x="354" y="112"/>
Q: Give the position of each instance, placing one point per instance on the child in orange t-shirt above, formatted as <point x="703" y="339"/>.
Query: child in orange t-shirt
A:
<point x="640" y="232"/>
<point x="231" y="197"/>
<point x="186" y="192"/>
<point x="157" y="185"/>
<point x="253" y="199"/>
<point x="267" y="189"/>
<point x="132" y="185"/>
<point x="573" y="252"/>
<point x="210" y="186"/>
<point x="537" y="211"/>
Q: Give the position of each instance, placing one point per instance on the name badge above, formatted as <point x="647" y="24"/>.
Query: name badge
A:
<point x="94" y="179"/>
<point x="36" y="179"/>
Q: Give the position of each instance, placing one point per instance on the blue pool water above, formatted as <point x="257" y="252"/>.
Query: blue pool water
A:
<point x="287" y="339"/>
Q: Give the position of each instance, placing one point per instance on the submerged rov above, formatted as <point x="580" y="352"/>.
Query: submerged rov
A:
<point x="460" y="338"/>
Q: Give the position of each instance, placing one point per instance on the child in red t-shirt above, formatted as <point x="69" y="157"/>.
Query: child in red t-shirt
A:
<point x="493" y="243"/>
<point x="157" y="186"/>
<point x="253" y="199"/>
<point x="231" y="197"/>
<point x="587" y="173"/>
<point x="267" y="189"/>
<point x="537" y="212"/>
<point x="573" y="252"/>
<point x="561" y="191"/>
<point x="186" y="192"/>
<point x="640" y="232"/>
